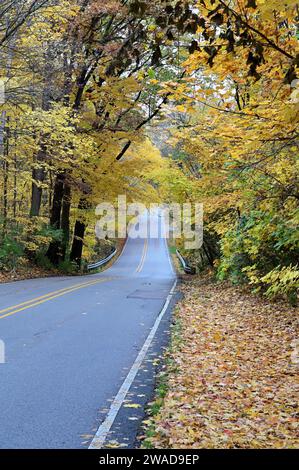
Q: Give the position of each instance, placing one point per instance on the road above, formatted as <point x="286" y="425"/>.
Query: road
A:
<point x="70" y="345"/>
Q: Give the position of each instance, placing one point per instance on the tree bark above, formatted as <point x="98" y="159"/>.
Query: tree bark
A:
<point x="54" y="252"/>
<point x="78" y="237"/>
<point x="5" y="175"/>
<point x="61" y="203"/>
<point x="65" y="219"/>
<point x="38" y="175"/>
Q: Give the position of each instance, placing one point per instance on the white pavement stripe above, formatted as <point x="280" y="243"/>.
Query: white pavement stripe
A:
<point x="103" y="430"/>
<point x="168" y="256"/>
<point x="164" y="235"/>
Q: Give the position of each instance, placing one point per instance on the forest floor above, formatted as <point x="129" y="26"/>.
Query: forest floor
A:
<point x="229" y="376"/>
<point x="32" y="271"/>
<point x="27" y="272"/>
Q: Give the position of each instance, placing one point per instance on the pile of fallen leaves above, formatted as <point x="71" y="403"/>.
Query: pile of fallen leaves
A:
<point x="28" y="272"/>
<point x="233" y="378"/>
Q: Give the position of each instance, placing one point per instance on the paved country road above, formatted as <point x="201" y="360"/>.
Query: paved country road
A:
<point x="73" y="344"/>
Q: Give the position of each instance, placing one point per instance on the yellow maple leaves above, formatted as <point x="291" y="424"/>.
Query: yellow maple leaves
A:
<point x="230" y="374"/>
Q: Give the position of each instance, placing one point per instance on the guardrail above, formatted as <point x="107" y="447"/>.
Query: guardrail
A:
<point x="100" y="263"/>
<point x="188" y="269"/>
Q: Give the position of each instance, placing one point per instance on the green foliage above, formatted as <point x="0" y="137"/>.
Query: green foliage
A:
<point x="27" y="238"/>
<point x="42" y="261"/>
<point x="283" y="280"/>
<point x="261" y="249"/>
<point x="11" y="252"/>
<point x="48" y="233"/>
<point x="67" y="267"/>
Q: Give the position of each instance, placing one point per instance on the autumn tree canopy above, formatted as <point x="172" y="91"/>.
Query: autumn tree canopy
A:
<point x="89" y="83"/>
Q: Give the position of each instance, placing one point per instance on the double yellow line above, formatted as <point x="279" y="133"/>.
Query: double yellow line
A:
<point x="144" y="253"/>
<point x="7" y="312"/>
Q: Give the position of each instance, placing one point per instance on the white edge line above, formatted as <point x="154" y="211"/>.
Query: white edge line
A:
<point x="103" y="430"/>
<point x="124" y="247"/>
<point x="169" y="258"/>
<point x="167" y="248"/>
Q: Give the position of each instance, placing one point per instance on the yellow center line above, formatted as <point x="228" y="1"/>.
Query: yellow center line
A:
<point x="144" y="253"/>
<point x="44" y="296"/>
<point x="50" y="296"/>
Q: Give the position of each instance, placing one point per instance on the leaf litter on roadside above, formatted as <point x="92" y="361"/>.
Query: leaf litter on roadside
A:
<point x="232" y="382"/>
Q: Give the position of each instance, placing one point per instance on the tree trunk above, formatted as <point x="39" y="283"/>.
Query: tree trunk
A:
<point x="38" y="175"/>
<point x="5" y="177"/>
<point x="65" y="219"/>
<point x="79" y="232"/>
<point x="15" y="188"/>
<point x="54" y="251"/>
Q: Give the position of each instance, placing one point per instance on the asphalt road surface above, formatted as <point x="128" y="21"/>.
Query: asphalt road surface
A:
<point x="74" y="348"/>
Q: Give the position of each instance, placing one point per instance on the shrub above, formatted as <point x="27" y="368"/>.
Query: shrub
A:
<point x="11" y="253"/>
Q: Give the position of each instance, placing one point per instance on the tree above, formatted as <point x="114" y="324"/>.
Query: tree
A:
<point x="242" y="137"/>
